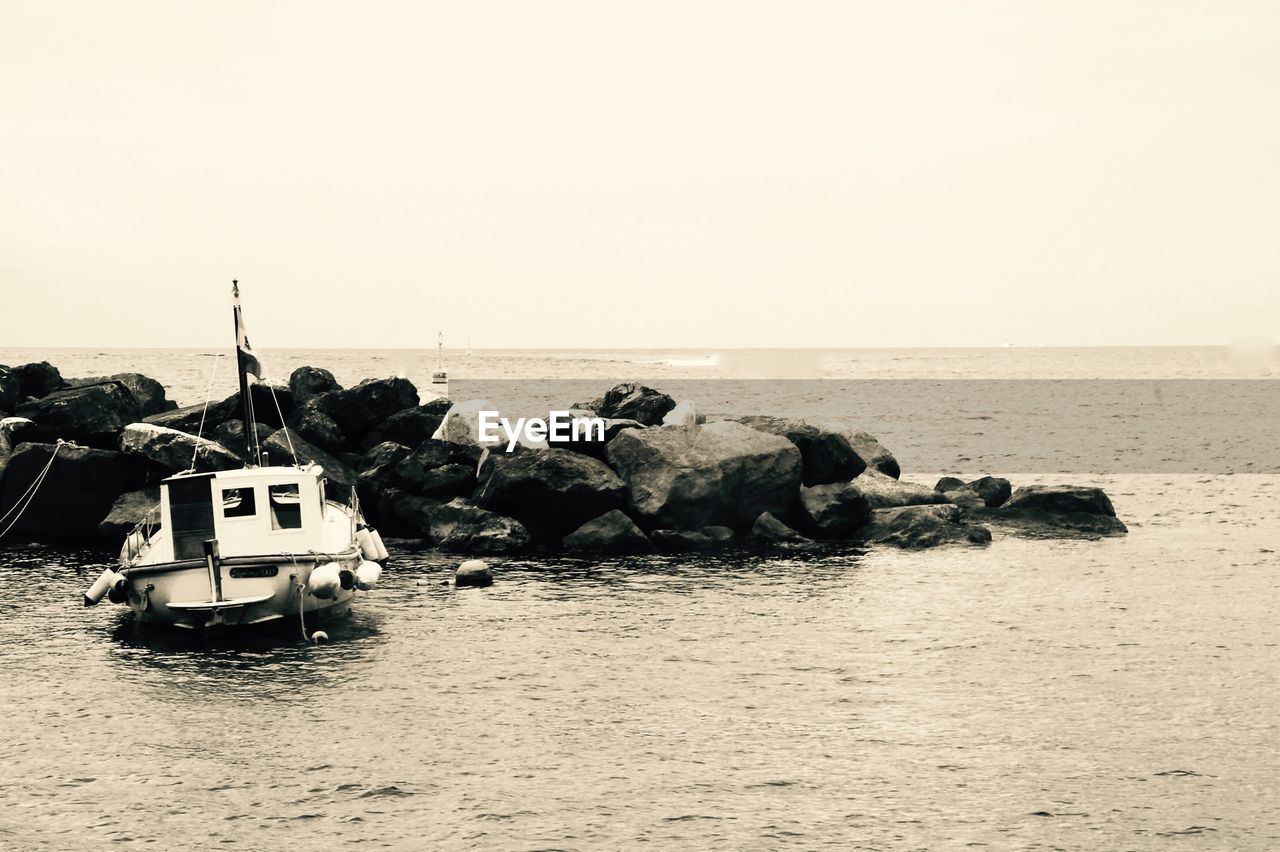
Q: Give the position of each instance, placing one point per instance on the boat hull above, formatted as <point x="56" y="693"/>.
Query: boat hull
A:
<point x="249" y="591"/>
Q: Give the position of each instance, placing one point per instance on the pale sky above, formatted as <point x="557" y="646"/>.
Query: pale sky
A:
<point x="659" y="174"/>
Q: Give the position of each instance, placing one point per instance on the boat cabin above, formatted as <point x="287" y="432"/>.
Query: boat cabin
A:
<point x="256" y="510"/>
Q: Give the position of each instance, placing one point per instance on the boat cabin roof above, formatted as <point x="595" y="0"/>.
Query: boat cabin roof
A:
<point x="253" y="474"/>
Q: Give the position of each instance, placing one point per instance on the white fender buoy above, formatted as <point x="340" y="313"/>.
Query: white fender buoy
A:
<point x="319" y="636"/>
<point x="377" y="543"/>
<point x="324" y="581"/>
<point x="364" y="538"/>
<point x="367" y="575"/>
<point x="119" y="592"/>
<point x="106" y="580"/>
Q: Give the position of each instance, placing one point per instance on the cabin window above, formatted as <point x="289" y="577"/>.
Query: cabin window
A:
<point x="286" y="507"/>
<point x="238" y="503"/>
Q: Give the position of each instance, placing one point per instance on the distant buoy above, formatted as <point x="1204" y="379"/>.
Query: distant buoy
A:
<point x="473" y="572"/>
<point x="367" y="575"/>
<point x="324" y="581"/>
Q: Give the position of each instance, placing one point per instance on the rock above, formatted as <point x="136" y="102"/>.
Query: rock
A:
<point x="439" y="468"/>
<point x="768" y="531"/>
<point x="612" y="532"/>
<point x="1056" y="510"/>
<point x="461" y="423"/>
<point x="126" y="512"/>
<point x="187" y="419"/>
<point x="231" y="435"/>
<point x="990" y="491"/>
<point x="357" y="410"/>
<point x="874" y="455"/>
<point x="826" y="453"/>
<point x="11" y="395"/>
<point x="552" y="490"/>
<point x="383" y="457"/>
<point x="923" y="526"/>
<point x="966" y="499"/>
<point x="341" y="479"/>
<point x="948" y="483"/>
<point x="93" y="415"/>
<point x="473" y="572"/>
<point x="685" y="541"/>
<point x="886" y="492"/>
<point x="38" y="379"/>
<point x="634" y="401"/>
<point x="308" y="382"/>
<point x="77" y="493"/>
<point x="460" y="526"/>
<point x="313" y="423"/>
<point x="13" y="431"/>
<point x="722" y="473"/>
<point x="588" y="442"/>
<point x="147" y="392"/>
<point x="396" y="512"/>
<point x="834" y="510"/>
<point x="684" y="414"/>
<point x="170" y="451"/>
<point x="410" y="427"/>
<point x="272" y="405"/>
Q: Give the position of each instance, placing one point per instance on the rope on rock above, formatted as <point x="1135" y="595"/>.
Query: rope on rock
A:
<point x="29" y="495"/>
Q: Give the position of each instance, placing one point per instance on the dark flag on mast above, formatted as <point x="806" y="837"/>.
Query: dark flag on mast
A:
<point x="249" y="362"/>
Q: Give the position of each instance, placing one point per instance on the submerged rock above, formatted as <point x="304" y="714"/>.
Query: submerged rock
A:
<point x="768" y="531"/>
<point x="551" y="490"/>
<point x="612" y="532"/>
<point x="923" y="526"/>
<point x="991" y="491"/>
<point x="126" y="512"/>
<point x="76" y="495"/>
<point x="473" y="572"/>
<point x="947" y="484"/>
<point x="683" y="541"/>
<point x="723" y="473"/>
<point x="634" y="401"/>
<point x="1055" y="510"/>
<point x="826" y="453"/>
<point x="886" y="492"/>
<point x="834" y="510"/>
<point x="170" y="451"/>
<point x="93" y="415"/>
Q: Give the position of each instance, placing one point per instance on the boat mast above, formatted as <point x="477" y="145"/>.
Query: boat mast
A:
<point x="246" y="402"/>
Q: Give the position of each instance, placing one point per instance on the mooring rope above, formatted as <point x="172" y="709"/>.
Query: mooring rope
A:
<point x="30" y="494"/>
<point x="213" y="368"/>
<point x="283" y="425"/>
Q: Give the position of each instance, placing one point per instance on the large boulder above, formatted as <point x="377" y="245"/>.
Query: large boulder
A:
<point x="923" y="526"/>
<point x="590" y="440"/>
<point x="284" y="445"/>
<point x="612" y="532"/>
<point x="126" y="512"/>
<point x="169" y="451"/>
<point x="13" y="431"/>
<point x="410" y="427"/>
<point x="947" y="484"/>
<point x="1056" y="510"/>
<point x="38" y="379"/>
<point x="826" y="453"/>
<point x="724" y="473"/>
<point x="306" y="382"/>
<point x="147" y="392"/>
<point x="231" y="435"/>
<point x="93" y="415"/>
<point x="684" y="414"/>
<point x="272" y="405"/>
<point x="554" y="490"/>
<point x="634" y="401"/>
<point x="768" y="531"/>
<point x="462" y="527"/>
<point x="78" y="491"/>
<point x="437" y="468"/>
<point x="885" y="492"/>
<point x="874" y="455"/>
<point x="188" y="419"/>
<point x="690" y="541"/>
<point x="461" y="424"/>
<point x="313" y="423"/>
<point x="11" y="395"/>
<point x="834" y="510"/>
<point x="358" y="409"/>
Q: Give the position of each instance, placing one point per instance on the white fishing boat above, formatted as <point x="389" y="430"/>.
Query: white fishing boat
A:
<point x="243" y="547"/>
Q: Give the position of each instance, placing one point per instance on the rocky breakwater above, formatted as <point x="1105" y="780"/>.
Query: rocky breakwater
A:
<point x="656" y="477"/>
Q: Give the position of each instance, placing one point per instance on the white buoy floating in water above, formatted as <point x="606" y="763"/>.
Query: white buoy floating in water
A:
<point x="473" y="572"/>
